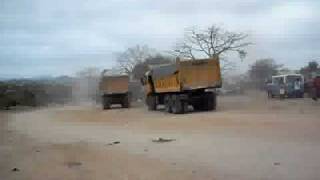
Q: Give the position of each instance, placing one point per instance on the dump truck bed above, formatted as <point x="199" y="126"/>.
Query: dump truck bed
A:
<point x="187" y="75"/>
<point x="114" y="84"/>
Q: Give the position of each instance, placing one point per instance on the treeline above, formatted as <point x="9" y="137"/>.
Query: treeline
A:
<point x="26" y="92"/>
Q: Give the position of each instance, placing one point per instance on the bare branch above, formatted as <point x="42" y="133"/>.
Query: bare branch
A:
<point x="212" y="42"/>
<point x="127" y="60"/>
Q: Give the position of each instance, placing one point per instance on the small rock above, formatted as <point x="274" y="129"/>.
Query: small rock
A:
<point x="162" y="140"/>
<point x="113" y="143"/>
<point x="145" y="150"/>
<point x="276" y="164"/>
<point x="15" y="169"/>
<point x="73" y="164"/>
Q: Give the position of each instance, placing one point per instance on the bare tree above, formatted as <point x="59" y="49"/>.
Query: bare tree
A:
<point x="127" y="60"/>
<point x="141" y="68"/>
<point x="211" y="42"/>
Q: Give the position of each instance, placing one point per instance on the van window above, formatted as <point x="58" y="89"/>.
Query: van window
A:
<point x="278" y="80"/>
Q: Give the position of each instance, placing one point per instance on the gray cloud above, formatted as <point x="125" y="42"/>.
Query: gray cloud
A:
<point x="58" y="37"/>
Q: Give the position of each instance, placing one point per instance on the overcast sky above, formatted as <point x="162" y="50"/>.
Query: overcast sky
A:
<point x="56" y="37"/>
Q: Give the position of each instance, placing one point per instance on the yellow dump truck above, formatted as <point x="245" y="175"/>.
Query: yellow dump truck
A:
<point x="115" y="90"/>
<point x="189" y="82"/>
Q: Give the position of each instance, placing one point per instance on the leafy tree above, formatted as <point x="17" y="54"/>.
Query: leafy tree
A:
<point x="263" y="69"/>
<point x="312" y="67"/>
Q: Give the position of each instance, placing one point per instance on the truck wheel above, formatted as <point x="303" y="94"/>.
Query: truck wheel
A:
<point x="106" y="103"/>
<point x="212" y="101"/>
<point x="184" y="107"/>
<point x="177" y="105"/>
<point x="168" y="103"/>
<point x="201" y="104"/>
<point x="126" y="103"/>
<point x="151" y="102"/>
<point x="209" y="102"/>
<point x="197" y="105"/>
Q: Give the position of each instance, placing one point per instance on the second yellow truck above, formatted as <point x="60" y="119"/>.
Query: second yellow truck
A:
<point x="115" y="90"/>
<point x="189" y="82"/>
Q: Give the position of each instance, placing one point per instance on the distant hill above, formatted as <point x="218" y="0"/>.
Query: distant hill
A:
<point x="66" y="80"/>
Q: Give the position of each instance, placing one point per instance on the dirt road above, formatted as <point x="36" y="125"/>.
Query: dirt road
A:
<point x="246" y="138"/>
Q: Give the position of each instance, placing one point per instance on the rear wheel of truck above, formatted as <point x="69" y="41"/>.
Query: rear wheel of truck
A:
<point x="211" y="99"/>
<point x="207" y="102"/>
<point x="197" y="105"/>
<point x="151" y="102"/>
<point x="168" y="103"/>
<point x="178" y="106"/>
<point x="184" y="106"/>
<point x="126" y="103"/>
<point x="106" y="102"/>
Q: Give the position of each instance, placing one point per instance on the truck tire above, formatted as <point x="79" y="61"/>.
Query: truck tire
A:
<point x="211" y="101"/>
<point x="177" y="104"/>
<point x="207" y="102"/>
<point x="184" y="107"/>
<point x="126" y="103"/>
<point x="151" y="102"/>
<point x="168" y="103"/>
<point x="105" y="102"/>
<point x="197" y="105"/>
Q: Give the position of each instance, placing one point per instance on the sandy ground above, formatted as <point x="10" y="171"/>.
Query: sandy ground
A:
<point x="248" y="137"/>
